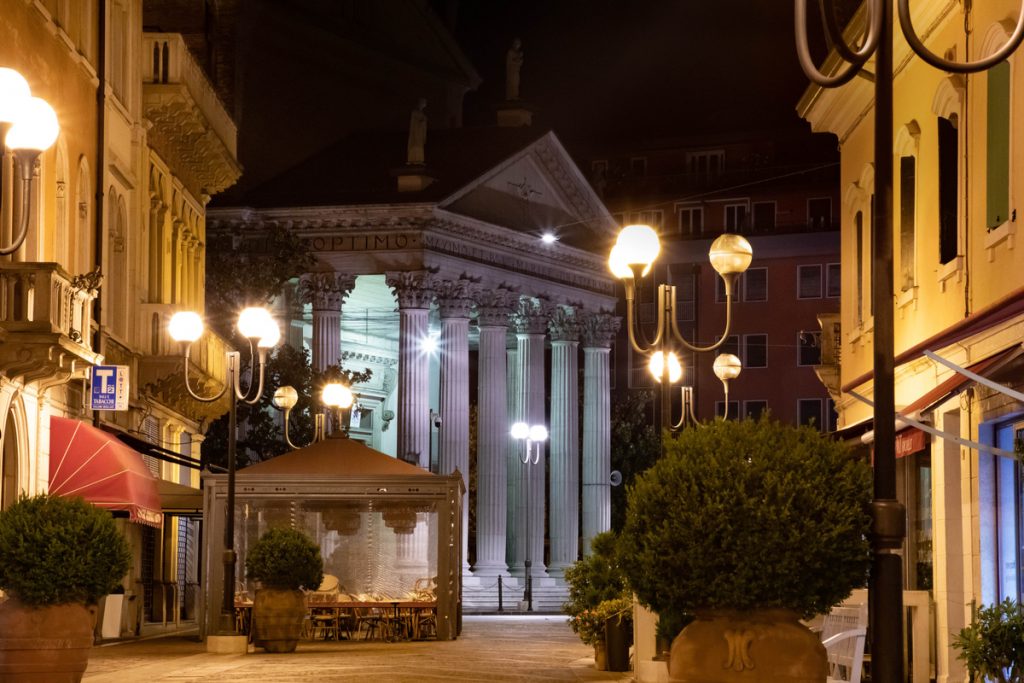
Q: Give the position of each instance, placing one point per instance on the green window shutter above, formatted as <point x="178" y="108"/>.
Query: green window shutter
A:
<point x="998" y="147"/>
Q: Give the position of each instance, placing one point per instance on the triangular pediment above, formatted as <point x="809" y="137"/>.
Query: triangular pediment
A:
<point x="538" y="189"/>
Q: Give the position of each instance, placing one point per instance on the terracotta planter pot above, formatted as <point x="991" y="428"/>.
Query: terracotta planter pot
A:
<point x="600" y="657"/>
<point x="767" y="646"/>
<point x="44" y="644"/>
<point x="277" y="619"/>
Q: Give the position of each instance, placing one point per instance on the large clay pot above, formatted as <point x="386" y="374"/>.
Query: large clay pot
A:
<point x="277" y="617"/>
<point x="766" y="646"/>
<point x="600" y="656"/>
<point x="44" y="644"/>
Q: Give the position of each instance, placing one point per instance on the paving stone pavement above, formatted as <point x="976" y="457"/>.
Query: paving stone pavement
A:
<point x="493" y="649"/>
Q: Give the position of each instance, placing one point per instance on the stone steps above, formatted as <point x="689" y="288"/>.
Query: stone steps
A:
<point x="480" y="594"/>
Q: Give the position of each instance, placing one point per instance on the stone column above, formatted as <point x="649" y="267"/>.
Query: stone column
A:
<point x="598" y="332"/>
<point x="564" y="528"/>
<point x="493" y="307"/>
<point x="326" y="292"/>
<point x="530" y="322"/>
<point x="454" y="304"/>
<point x="513" y="450"/>
<point x="414" y="291"/>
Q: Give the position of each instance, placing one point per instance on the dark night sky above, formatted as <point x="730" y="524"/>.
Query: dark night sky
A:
<point x="601" y="69"/>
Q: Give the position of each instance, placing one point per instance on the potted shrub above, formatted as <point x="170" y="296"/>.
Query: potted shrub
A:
<point x="992" y="647"/>
<point x="58" y="557"/>
<point x="591" y="581"/>
<point x="749" y="526"/>
<point x="282" y="562"/>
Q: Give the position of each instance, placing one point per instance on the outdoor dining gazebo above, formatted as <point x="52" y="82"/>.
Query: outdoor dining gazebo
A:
<point x="385" y="528"/>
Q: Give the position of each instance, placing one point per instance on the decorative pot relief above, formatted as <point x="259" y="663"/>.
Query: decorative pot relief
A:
<point x="739" y="643"/>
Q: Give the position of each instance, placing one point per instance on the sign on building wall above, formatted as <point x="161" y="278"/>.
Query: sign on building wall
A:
<point x="109" y="387"/>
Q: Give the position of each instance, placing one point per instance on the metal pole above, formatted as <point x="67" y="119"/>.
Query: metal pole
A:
<point x="888" y="515"/>
<point x="228" y="608"/>
<point x="527" y="562"/>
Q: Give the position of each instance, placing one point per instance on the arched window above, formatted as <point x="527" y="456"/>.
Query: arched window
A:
<point x="60" y="237"/>
<point x="80" y="254"/>
<point x="906" y="148"/>
<point x="947" y="106"/>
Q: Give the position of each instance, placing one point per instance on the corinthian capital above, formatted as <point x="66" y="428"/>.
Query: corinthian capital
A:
<point x="493" y="306"/>
<point x="454" y="297"/>
<point x="599" y="329"/>
<point x="413" y="288"/>
<point x="531" y="316"/>
<point x="564" y="324"/>
<point x="325" y="291"/>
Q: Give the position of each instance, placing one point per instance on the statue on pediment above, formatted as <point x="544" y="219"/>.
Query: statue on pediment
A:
<point x="417" y="134"/>
<point x="513" y="64"/>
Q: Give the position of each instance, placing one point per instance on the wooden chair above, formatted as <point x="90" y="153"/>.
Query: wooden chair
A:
<point x="843" y="631"/>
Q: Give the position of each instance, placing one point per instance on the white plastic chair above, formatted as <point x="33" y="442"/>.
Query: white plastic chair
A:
<point x="843" y="631"/>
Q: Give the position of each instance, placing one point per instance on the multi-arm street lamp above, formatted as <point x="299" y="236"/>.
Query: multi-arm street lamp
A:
<point x="885" y="594"/>
<point x="336" y="396"/>
<point x="534" y="436"/>
<point x="630" y="260"/>
<point x="256" y="325"/>
<point x="726" y="367"/>
<point x="28" y="126"/>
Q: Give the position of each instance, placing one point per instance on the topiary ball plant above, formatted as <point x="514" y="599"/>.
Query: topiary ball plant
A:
<point x="743" y="515"/>
<point x="285" y="559"/>
<point x="56" y="550"/>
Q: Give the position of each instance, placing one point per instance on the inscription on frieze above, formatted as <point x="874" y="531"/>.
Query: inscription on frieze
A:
<point x="367" y="242"/>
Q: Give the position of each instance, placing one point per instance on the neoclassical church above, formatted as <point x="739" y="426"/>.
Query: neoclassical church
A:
<point x="475" y="287"/>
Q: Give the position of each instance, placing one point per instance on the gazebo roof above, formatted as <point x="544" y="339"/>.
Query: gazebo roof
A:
<point x="335" y="457"/>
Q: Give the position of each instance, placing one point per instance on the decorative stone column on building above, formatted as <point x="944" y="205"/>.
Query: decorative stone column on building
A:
<point x="513" y="450"/>
<point x="454" y="304"/>
<point x="414" y="291"/>
<point x="493" y="308"/>
<point x="564" y="430"/>
<point x="598" y="331"/>
<point x="326" y="292"/>
<point x="530" y="322"/>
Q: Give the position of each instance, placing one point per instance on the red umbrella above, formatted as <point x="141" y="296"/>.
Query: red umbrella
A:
<point x="88" y="462"/>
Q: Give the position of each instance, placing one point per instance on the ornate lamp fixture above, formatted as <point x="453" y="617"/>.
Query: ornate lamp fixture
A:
<point x="631" y="259"/>
<point x="256" y="325"/>
<point x="336" y="396"/>
<point x="533" y="435"/>
<point x="28" y="127"/>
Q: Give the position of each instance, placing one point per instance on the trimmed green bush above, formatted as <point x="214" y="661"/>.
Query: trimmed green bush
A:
<point x="992" y="647"/>
<point x="56" y="550"/>
<point x="592" y="581"/>
<point x="285" y="559"/>
<point x="746" y="515"/>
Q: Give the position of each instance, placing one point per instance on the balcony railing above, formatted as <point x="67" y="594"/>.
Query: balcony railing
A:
<point x="831" y="348"/>
<point x="46" y="321"/>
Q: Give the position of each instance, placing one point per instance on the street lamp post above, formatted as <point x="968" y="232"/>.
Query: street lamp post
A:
<point x="259" y="328"/>
<point x="885" y="593"/>
<point x="533" y="435"/>
<point x="335" y="395"/>
<point x="630" y="260"/>
<point x="28" y="126"/>
<point x="726" y="367"/>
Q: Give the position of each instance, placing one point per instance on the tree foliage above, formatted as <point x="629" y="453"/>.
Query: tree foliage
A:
<point x="634" y="445"/>
<point x="748" y="514"/>
<point x="593" y="581"/>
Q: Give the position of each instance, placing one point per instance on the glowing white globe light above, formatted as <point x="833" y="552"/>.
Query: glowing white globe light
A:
<point x="185" y="326"/>
<point x="520" y="430"/>
<point x="36" y="127"/>
<point x="617" y="263"/>
<point x="254" y="322"/>
<point x="548" y="238"/>
<point x="640" y="246"/>
<point x="538" y="433"/>
<point x="730" y="254"/>
<point x="271" y="335"/>
<point x="285" y="397"/>
<point x="727" y="366"/>
<point x="336" y="395"/>
<point x="14" y="92"/>
<point x="656" y="366"/>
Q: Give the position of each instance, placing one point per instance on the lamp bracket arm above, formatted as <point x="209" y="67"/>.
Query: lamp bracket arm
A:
<point x="25" y="163"/>
<point x="803" y="51"/>
<point x="834" y="32"/>
<point x="633" y="328"/>
<point x="918" y="46"/>
<point x="188" y="384"/>
<point x="678" y="337"/>
<point x="248" y="396"/>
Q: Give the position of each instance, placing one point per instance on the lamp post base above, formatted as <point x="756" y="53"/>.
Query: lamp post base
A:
<point x="227" y="644"/>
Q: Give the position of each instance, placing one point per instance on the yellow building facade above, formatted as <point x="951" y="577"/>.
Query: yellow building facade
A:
<point x="958" y="175"/>
<point x="115" y="245"/>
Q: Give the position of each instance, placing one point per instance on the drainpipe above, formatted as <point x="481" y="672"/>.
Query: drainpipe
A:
<point x="101" y="106"/>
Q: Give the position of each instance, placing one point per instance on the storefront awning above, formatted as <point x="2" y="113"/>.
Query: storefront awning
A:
<point x="88" y="462"/>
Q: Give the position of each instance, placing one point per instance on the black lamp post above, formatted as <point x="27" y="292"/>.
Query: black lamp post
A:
<point x="885" y="589"/>
<point x="533" y="435"/>
<point x="259" y="328"/>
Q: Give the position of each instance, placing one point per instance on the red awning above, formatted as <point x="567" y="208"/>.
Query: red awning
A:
<point x="88" y="462"/>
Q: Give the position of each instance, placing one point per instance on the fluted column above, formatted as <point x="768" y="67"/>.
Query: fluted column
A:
<point x="530" y="322"/>
<point x="513" y="449"/>
<point x="493" y="307"/>
<point x="326" y="292"/>
<point x="454" y="305"/>
<point x="414" y="291"/>
<point x="598" y="331"/>
<point x="563" y="525"/>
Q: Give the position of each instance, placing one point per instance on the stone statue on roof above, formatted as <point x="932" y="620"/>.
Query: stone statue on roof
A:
<point x="513" y="63"/>
<point x="417" y="134"/>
